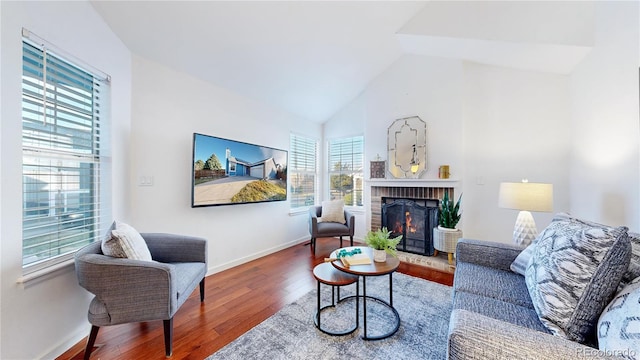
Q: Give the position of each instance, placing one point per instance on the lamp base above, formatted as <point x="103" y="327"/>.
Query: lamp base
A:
<point x="525" y="230"/>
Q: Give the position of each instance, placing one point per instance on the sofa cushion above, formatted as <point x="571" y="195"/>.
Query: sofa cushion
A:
<point x="332" y="211"/>
<point x="575" y="269"/>
<point x="499" y="310"/>
<point x="125" y="242"/>
<point x="619" y="324"/>
<point x="490" y="282"/>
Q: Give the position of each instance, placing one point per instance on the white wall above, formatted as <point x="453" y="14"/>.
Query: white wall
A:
<point x="490" y="124"/>
<point x="168" y="107"/>
<point x="45" y="319"/>
<point x="605" y="127"/>
<point x="579" y="132"/>
<point x="516" y="125"/>
<point x="413" y="85"/>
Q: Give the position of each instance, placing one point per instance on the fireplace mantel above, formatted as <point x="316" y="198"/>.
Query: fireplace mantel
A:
<point x="413" y="182"/>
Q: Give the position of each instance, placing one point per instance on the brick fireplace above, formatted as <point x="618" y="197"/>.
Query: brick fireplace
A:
<point x="382" y="190"/>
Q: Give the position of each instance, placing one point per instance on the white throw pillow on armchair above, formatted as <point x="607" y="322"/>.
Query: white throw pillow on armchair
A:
<point x="124" y="241"/>
<point x="332" y="211"/>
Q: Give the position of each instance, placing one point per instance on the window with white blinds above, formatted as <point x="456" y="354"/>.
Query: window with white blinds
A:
<point x="302" y="171"/>
<point x="63" y="129"/>
<point x="346" y="163"/>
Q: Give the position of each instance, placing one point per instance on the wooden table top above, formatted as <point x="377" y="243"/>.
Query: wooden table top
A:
<point x="327" y="274"/>
<point x="373" y="269"/>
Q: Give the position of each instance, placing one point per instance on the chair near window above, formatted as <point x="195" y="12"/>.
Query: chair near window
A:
<point x="128" y="290"/>
<point x="328" y="225"/>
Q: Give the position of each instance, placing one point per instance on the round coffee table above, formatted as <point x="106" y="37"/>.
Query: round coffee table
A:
<point x="374" y="269"/>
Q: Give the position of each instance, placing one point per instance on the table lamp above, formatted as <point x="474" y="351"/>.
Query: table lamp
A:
<point x="526" y="197"/>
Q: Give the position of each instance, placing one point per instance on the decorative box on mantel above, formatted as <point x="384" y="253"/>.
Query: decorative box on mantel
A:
<point x="378" y="169"/>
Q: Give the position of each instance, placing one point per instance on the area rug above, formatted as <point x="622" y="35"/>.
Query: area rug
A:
<point x="424" y="308"/>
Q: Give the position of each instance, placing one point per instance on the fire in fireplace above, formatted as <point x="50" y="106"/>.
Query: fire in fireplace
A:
<point x="414" y="220"/>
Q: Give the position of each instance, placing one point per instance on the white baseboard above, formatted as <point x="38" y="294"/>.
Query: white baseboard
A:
<point x="67" y="344"/>
<point x="256" y="255"/>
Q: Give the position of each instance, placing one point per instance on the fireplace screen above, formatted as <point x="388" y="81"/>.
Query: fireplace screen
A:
<point x="414" y="220"/>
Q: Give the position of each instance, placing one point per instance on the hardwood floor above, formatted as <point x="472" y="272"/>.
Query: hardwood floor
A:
<point x="235" y="301"/>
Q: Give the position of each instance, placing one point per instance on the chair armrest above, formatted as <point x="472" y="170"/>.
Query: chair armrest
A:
<point x="176" y="248"/>
<point x="313" y="221"/>
<point x="475" y="336"/>
<point x="126" y="286"/>
<point x="351" y="221"/>
<point x="487" y="253"/>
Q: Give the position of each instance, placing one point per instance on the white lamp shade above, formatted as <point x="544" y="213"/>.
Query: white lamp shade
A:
<point x="526" y="196"/>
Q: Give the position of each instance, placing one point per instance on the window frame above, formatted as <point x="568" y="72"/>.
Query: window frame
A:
<point x="358" y="176"/>
<point x="294" y="170"/>
<point x="71" y="168"/>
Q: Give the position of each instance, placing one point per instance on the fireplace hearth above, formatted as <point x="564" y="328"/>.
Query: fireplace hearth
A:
<point x="414" y="220"/>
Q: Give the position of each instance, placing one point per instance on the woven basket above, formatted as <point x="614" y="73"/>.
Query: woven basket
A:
<point x="446" y="240"/>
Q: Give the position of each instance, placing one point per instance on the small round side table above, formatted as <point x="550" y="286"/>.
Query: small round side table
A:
<point x="327" y="274"/>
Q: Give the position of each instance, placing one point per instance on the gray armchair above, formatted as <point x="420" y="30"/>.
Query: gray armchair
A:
<point x="329" y="229"/>
<point x="129" y="291"/>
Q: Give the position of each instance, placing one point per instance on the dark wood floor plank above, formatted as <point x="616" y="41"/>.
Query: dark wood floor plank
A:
<point x="236" y="300"/>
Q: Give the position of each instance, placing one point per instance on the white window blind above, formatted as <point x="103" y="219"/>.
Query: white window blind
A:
<point x="302" y="170"/>
<point x="346" y="160"/>
<point x="63" y="130"/>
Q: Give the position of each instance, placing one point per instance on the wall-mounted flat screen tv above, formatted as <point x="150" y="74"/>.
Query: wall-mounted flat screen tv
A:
<point x="227" y="172"/>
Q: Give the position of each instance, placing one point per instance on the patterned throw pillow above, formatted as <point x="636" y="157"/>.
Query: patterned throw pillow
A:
<point x="125" y="242"/>
<point x="574" y="272"/>
<point x="619" y="324"/>
<point x="332" y="211"/>
<point x="519" y="265"/>
<point x="634" y="265"/>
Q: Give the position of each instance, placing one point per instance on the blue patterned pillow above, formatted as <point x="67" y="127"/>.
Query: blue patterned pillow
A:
<point x="619" y="324"/>
<point x="574" y="272"/>
<point x="519" y="265"/>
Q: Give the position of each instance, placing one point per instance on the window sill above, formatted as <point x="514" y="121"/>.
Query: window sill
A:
<point x="355" y="209"/>
<point x="46" y="273"/>
<point x="298" y="211"/>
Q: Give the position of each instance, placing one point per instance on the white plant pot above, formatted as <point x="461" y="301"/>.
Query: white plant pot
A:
<point x="447" y="229"/>
<point x="379" y="255"/>
<point x="445" y="239"/>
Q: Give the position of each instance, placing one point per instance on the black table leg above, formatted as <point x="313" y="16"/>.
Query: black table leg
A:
<point x="364" y="304"/>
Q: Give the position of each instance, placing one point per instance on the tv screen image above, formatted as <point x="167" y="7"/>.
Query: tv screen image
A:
<point x="227" y="172"/>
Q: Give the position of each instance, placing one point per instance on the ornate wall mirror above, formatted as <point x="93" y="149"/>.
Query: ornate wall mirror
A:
<point x="407" y="147"/>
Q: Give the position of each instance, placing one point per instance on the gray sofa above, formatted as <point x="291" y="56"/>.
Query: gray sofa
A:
<point x="493" y="316"/>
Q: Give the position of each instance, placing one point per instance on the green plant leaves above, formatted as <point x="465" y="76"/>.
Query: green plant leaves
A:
<point x="449" y="213"/>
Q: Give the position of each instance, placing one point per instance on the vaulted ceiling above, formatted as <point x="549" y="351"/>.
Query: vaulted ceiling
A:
<point x="312" y="58"/>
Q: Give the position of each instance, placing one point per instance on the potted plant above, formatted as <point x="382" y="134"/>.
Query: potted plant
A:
<point x="382" y="244"/>
<point x="449" y="213"/>
<point x="445" y="236"/>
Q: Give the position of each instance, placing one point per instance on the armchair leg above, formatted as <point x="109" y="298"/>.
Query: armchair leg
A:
<point x="91" y="341"/>
<point x="351" y="238"/>
<point x="168" y="337"/>
<point x="313" y="245"/>
<point x="202" y="290"/>
<point x="340" y="240"/>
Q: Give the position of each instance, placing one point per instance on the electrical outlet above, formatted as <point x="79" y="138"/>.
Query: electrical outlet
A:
<point x="145" y="180"/>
